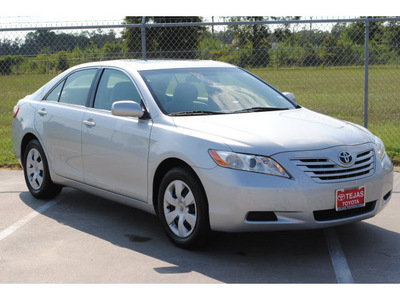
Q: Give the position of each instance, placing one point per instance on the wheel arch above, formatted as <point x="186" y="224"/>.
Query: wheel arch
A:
<point x="25" y="141"/>
<point x="163" y="168"/>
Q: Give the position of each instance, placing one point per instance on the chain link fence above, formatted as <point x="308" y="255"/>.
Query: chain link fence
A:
<point x="345" y="68"/>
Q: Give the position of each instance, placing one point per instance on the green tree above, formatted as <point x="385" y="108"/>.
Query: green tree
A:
<point x="132" y="37"/>
<point x="6" y="64"/>
<point x="283" y="32"/>
<point x="256" y="38"/>
<point x="329" y="50"/>
<point x="212" y="48"/>
<point x="338" y="29"/>
<point x="164" y="42"/>
<point x="62" y="61"/>
<point x="56" y="42"/>
<point x="253" y="38"/>
<point x="349" y="52"/>
<point x="8" y="47"/>
<point x="356" y="31"/>
<point x="92" y="52"/>
<point x="113" y="50"/>
<point x="77" y="56"/>
<point x="391" y="35"/>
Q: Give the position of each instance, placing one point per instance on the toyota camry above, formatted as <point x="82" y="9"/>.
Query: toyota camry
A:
<point x="205" y="145"/>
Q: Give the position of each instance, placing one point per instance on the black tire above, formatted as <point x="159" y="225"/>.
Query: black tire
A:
<point x="182" y="201"/>
<point x="36" y="172"/>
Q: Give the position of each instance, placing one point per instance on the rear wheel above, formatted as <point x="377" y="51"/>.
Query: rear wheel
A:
<point x="183" y="209"/>
<point x="36" y="172"/>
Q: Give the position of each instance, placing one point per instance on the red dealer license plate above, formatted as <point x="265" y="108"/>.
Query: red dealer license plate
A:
<point x="350" y="198"/>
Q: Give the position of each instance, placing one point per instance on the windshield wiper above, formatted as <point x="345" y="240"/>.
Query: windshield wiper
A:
<point x="195" y="112"/>
<point x="256" y="109"/>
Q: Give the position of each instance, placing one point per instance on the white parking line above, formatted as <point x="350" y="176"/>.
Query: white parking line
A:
<point x="339" y="262"/>
<point x="17" y="225"/>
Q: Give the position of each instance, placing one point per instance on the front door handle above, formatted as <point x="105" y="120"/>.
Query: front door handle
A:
<point x="42" y="112"/>
<point x="89" y="123"/>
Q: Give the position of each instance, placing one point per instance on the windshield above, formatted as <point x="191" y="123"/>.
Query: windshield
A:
<point x="212" y="91"/>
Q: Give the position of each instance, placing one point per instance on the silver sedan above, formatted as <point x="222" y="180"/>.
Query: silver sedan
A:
<point x="204" y="145"/>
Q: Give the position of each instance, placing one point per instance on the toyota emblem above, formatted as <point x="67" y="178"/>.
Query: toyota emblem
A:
<point x="345" y="158"/>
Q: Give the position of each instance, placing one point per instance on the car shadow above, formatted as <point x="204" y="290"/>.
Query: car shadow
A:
<point x="265" y="257"/>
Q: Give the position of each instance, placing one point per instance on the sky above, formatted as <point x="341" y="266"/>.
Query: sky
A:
<point x="56" y="12"/>
<point x="48" y="13"/>
<point x="48" y="20"/>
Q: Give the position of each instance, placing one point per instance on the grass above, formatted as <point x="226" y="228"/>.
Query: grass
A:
<point x="335" y="91"/>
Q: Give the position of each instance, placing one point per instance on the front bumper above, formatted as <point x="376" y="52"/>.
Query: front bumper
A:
<point x="245" y="201"/>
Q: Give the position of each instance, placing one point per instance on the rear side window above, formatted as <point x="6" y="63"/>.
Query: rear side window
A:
<point x="115" y="86"/>
<point x="55" y="94"/>
<point x="76" y="88"/>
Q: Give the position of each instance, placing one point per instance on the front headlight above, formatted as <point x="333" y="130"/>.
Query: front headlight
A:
<point x="380" y="148"/>
<point x="250" y="163"/>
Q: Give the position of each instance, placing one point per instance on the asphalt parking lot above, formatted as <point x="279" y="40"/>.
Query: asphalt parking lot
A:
<point x="80" y="238"/>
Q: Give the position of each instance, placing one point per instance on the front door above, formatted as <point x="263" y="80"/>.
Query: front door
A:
<point x="115" y="149"/>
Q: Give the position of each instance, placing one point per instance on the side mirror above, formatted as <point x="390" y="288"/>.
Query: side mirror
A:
<point x="127" y="109"/>
<point x="290" y="96"/>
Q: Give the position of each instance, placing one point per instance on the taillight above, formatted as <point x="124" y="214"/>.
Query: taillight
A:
<point x="15" y="111"/>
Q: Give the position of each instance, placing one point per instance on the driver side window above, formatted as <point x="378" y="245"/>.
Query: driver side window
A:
<point x="115" y="86"/>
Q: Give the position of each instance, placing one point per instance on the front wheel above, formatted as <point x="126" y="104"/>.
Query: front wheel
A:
<point x="183" y="209"/>
<point x="36" y="172"/>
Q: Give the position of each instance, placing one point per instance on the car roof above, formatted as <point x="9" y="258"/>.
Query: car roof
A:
<point x="141" y="65"/>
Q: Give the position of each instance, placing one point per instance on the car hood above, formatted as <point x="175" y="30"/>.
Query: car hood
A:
<point x="273" y="132"/>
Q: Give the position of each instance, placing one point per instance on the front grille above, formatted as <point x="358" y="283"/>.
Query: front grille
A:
<point x="326" y="170"/>
<point x="332" y="214"/>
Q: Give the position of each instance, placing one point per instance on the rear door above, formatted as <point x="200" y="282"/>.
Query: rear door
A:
<point x="115" y="149"/>
<point x="58" y="120"/>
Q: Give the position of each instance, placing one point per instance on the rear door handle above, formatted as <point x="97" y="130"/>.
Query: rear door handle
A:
<point x="42" y="112"/>
<point x="89" y="123"/>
